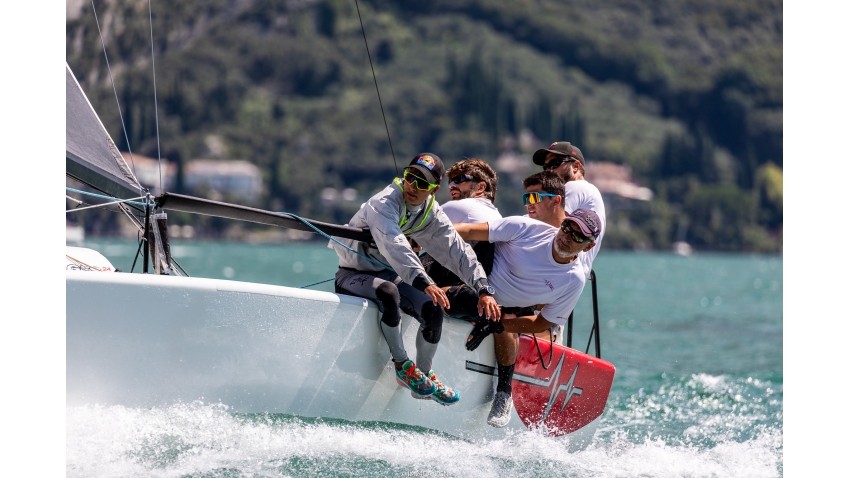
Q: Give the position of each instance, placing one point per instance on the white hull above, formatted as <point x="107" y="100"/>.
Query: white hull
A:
<point x="145" y="340"/>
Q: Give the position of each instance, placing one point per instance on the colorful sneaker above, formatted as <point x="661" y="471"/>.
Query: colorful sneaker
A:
<point x="411" y="377"/>
<point x="500" y="412"/>
<point x="443" y="395"/>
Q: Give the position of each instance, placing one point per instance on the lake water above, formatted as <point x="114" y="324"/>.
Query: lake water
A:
<point x="697" y="342"/>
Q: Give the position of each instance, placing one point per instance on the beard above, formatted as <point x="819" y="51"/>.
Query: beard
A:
<point x="464" y="194"/>
<point x="560" y="250"/>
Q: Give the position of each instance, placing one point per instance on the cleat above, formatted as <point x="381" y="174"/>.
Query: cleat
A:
<point x="412" y="378"/>
<point x="500" y="412"/>
<point x="443" y="394"/>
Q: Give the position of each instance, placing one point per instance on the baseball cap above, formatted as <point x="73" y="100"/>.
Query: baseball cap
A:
<point x="587" y="221"/>
<point x="430" y="166"/>
<point x="562" y="148"/>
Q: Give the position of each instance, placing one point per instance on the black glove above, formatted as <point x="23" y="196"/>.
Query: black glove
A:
<point x="481" y="330"/>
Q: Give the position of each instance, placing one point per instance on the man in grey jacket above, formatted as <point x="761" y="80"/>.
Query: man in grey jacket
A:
<point x="390" y="273"/>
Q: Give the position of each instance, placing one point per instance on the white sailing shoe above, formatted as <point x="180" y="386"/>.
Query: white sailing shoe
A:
<point x="500" y="412"/>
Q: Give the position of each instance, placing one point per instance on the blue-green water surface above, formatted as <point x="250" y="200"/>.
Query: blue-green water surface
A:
<point x="697" y="343"/>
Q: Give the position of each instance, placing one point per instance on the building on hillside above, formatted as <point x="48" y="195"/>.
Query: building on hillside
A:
<point x="615" y="179"/>
<point x="228" y="178"/>
<point x="147" y="171"/>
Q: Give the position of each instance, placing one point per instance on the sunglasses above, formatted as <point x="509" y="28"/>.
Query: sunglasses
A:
<point x="576" y="236"/>
<point x="534" y="198"/>
<point x="556" y="162"/>
<point x="461" y="178"/>
<point x="418" y="182"/>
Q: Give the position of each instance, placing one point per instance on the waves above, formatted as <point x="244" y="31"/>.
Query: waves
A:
<point x="700" y="425"/>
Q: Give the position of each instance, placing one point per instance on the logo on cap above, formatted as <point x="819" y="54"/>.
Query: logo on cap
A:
<point x="587" y="219"/>
<point x="552" y="145"/>
<point x="426" y="161"/>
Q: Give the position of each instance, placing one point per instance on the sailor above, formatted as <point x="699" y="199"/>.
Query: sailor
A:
<point x="534" y="262"/>
<point x="567" y="161"/>
<point x="544" y="201"/>
<point x="472" y="187"/>
<point x="407" y="209"/>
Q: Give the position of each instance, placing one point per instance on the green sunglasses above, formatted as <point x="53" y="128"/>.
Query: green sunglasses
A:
<point x="417" y="182"/>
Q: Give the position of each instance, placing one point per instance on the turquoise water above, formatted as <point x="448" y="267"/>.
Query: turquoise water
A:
<point x="697" y="342"/>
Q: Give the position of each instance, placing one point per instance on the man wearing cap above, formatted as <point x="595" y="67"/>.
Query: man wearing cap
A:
<point x="472" y="186"/>
<point x="568" y="162"/>
<point x="389" y="272"/>
<point x="533" y="262"/>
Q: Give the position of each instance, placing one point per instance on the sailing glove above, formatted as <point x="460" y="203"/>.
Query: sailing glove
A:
<point x="481" y="330"/>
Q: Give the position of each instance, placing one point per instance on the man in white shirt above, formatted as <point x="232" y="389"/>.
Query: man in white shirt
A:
<point x="544" y="201"/>
<point x="567" y="161"/>
<point x="534" y="262"/>
<point x="472" y="187"/>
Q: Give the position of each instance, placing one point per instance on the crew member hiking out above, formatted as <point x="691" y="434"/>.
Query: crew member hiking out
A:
<point x="407" y="209"/>
<point x="472" y="187"/>
<point x="535" y="263"/>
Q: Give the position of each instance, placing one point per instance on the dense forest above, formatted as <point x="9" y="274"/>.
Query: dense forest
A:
<point x="686" y="93"/>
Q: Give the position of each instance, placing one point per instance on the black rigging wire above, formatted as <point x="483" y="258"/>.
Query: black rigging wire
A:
<point x="376" y="86"/>
<point x="136" y="257"/>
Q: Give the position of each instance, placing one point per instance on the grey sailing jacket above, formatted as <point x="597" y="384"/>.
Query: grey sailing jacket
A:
<point x="383" y="214"/>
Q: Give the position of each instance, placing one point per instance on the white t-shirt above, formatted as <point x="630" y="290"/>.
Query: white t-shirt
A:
<point x="525" y="273"/>
<point x="471" y="211"/>
<point x="581" y="194"/>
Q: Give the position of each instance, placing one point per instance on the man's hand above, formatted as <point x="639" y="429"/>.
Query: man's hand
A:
<point x="480" y="332"/>
<point x="438" y="297"/>
<point x="488" y="307"/>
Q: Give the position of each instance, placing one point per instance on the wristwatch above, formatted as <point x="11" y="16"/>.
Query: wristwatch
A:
<point x="489" y="290"/>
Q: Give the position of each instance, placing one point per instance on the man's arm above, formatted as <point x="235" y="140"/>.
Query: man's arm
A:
<point x="528" y="324"/>
<point x="473" y="232"/>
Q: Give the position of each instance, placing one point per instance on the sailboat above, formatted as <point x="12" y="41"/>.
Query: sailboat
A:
<point x="155" y="339"/>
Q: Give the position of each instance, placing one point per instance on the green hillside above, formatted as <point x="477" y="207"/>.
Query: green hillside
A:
<point x="686" y="93"/>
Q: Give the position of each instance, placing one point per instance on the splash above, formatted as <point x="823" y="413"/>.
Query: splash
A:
<point x="207" y="440"/>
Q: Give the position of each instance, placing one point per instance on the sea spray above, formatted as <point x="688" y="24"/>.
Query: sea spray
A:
<point x="207" y="440"/>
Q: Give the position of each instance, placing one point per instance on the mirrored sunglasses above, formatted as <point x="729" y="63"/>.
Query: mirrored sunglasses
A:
<point x="417" y="182"/>
<point x="534" y="198"/>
